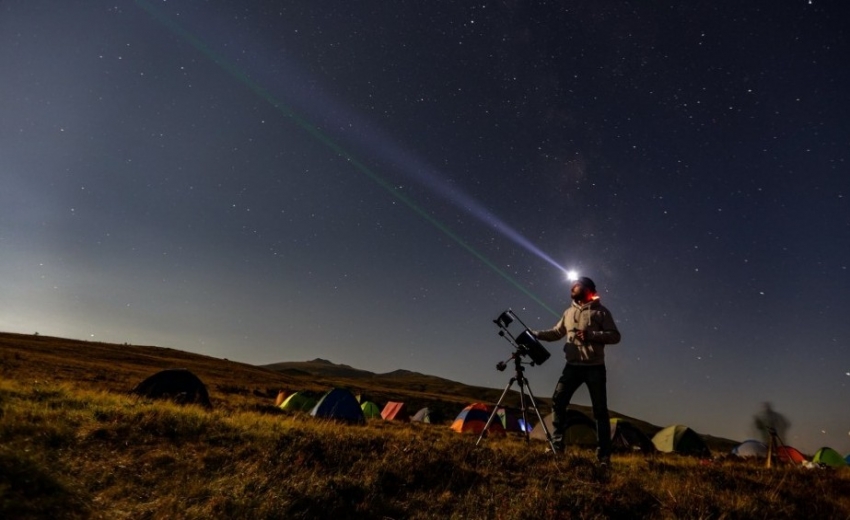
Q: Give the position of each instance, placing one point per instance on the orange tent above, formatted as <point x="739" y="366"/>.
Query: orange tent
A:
<point x="473" y="418"/>
<point x="281" y="397"/>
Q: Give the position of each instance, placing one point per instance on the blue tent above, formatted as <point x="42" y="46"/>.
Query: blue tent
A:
<point x="341" y="405"/>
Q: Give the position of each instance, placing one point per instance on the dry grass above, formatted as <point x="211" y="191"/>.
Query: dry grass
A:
<point x="71" y="449"/>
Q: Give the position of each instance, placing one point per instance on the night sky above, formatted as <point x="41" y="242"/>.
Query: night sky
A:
<point x="372" y="183"/>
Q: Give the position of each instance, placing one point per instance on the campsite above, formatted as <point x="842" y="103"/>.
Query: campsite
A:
<point x="86" y="433"/>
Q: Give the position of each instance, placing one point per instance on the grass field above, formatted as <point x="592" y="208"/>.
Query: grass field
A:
<point x="74" y="444"/>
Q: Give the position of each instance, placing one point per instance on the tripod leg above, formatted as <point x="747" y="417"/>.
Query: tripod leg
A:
<point x="540" y="418"/>
<point x="778" y="446"/>
<point x="522" y="383"/>
<point x="495" y="410"/>
<point x="769" y="461"/>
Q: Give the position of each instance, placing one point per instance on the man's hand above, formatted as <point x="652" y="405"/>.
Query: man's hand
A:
<point x="581" y="334"/>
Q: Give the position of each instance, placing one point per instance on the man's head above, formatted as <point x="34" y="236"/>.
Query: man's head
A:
<point x="583" y="290"/>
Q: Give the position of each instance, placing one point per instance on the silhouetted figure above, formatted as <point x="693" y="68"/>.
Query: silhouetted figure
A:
<point x="769" y="419"/>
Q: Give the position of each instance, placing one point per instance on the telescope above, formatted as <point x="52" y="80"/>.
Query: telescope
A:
<point x="524" y="342"/>
<point x="526" y="345"/>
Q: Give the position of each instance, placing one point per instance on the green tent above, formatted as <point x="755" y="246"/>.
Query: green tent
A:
<point x="680" y="439"/>
<point x="299" y="401"/>
<point x="829" y="457"/>
<point x="371" y="410"/>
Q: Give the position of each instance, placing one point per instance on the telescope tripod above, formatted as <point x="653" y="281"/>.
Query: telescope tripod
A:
<point x="519" y="378"/>
<point x="774" y="443"/>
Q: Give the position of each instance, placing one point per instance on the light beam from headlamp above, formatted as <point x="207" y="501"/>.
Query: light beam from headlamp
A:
<point x="415" y="168"/>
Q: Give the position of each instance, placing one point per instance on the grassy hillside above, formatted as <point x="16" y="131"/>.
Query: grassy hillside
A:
<point x="232" y="385"/>
<point x="73" y="444"/>
<point x="238" y="386"/>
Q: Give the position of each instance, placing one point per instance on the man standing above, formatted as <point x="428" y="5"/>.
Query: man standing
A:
<point x="588" y="327"/>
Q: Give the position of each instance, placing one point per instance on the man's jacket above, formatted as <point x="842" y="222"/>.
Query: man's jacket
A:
<point x="598" y="323"/>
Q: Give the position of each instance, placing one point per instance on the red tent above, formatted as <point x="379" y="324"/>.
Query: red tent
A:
<point x="789" y="454"/>
<point x="394" y="411"/>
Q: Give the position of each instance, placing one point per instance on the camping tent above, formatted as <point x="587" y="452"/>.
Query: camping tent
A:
<point x="626" y="437"/>
<point x="830" y="457"/>
<point x="511" y="420"/>
<point x="299" y="401"/>
<point x="757" y="449"/>
<point x="423" y="415"/>
<point x="370" y="410"/>
<point x="789" y="454"/>
<point x="394" y="411"/>
<point x="750" y="449"/>
<point x="339" y="404"/>
<point x="581" y="429"/>
<point x="680" y="439"/>
<point x="473" y="418"/>
<point x="281" y="397"/>
<point x="178" y="384"/>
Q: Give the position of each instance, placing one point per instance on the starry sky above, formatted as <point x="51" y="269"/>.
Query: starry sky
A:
<point x="373" y="183"/>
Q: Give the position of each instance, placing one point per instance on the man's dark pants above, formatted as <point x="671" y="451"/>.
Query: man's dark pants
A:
<point x="571" y="379"/>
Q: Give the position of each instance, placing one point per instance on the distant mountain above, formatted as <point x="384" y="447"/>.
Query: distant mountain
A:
<point x="320" y="367"/>
<point x="397" y="379"/>
<point x="400" y="373"/>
